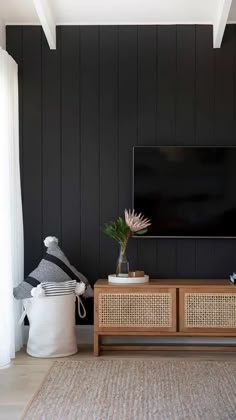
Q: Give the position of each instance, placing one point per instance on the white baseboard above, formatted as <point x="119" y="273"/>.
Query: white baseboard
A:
<point x="85" y="336"/>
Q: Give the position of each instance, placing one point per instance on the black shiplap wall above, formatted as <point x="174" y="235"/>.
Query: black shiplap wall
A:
<point x="83" y="107"/>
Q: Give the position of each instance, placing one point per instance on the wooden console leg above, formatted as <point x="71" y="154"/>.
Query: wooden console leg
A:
<point x="96" y="344"/>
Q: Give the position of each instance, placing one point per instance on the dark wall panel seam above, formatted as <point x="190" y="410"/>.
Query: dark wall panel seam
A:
<point x="195" y="100"/>
<point x="214" y="95"/>
<point x="21" y="104"/>
<point x="138" y="113"/>
<point x="42" y="144"/>
<point x="195" y="80"/>
<point x="99" y="146"/>
<point x="138" y="90"/>
<point x="117" y="113"/>
<point x="176" y="79"/>
<point x="234" y="85"/>
<point x="78" y="133"/>
<point x="156" y="87"/>
<point x="59" y="34"/>
<point x="80" y="148"/>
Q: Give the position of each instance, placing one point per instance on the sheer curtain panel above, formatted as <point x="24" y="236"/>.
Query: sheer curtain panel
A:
<point x="11" y="225"/>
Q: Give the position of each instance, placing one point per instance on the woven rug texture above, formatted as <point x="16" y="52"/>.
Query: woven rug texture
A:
<point x="136" y="390"/>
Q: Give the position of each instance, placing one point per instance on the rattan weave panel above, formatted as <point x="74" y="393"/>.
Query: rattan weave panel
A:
<point x="210" y="310"/>
<point x="135" y="310"/>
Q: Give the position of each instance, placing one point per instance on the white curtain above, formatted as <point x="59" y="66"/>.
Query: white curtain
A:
<point x="11" y="225"/>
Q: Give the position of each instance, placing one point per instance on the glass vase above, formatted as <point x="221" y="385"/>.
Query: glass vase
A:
<point x="122" y="267"/>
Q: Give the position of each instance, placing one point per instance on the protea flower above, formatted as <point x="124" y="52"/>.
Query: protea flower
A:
<point x="121" y="230"/>
<point x="136" y="222"/>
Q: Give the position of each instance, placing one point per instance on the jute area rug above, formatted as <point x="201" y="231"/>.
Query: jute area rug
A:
<point x="136" y="390"/>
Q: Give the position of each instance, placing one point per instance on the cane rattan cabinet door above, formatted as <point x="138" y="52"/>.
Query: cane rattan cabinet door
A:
<point x="207" y="310"/>
<point x="137" y="310"/>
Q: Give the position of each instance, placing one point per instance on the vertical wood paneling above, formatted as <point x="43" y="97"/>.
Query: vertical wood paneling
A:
<point x="70" y="143"/>
<point x="215" y="259"/>
<point x="108" y="142"/>
<point x="82" y="109"/>
<point x="50" y="142"/>
<point x="166" y="125"/>
<point x="127" y="114"/>
<point x="166" y="84"/>
<point x="90" y="157"/>
<point x="32" y="145"/>
<point x="205" y="79"/>
<point x="167" y="258"/>
<point x="204" y="86"/>
<point x="223" y="262"/>
<point x="185" y="125"/>
<point x="147" y="85"/>
<point x="147" y="71"/>
<point x="205" y="258"/>
<point x="234" y="129"/>
<point x="224" y="89"/>
<point x="185" y="89"/>
<point x="224" y="103"/>
<point x="186" y="258"/>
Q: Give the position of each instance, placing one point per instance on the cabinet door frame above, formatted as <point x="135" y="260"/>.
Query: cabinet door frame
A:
<point x="207" y="290"/>
<point x="119" y="329"/>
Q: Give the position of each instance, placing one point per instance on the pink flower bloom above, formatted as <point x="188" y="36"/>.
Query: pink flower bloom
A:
<point x="136" y="222"/>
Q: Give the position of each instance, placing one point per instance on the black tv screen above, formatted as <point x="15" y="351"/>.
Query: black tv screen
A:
<point x="186" y="191"/>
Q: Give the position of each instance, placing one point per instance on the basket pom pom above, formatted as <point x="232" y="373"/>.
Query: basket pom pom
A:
<point x="50" y="240"/>
<point x="38" y="291"/>
<point x="79" y="288"/>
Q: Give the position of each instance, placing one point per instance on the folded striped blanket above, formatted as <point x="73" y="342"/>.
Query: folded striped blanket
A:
<point x="59" y="289"/>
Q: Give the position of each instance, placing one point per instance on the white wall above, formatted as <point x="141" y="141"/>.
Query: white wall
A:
<point x="2" y="35"/>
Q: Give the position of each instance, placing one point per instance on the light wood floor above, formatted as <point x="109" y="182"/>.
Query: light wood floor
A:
<point x="22" y="379"/>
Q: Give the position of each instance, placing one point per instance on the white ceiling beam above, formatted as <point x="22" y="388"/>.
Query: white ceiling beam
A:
<point x="220" y="22"/>
<point x="2" y="34"/>
<point x="47" y="21"/>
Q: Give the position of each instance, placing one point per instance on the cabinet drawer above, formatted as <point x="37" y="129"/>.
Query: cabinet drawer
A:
<point x="137" y="310"/>
<point x="210" y="311"/>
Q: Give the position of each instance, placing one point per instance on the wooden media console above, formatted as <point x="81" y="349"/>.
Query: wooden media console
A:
<point x="168" y="307"/>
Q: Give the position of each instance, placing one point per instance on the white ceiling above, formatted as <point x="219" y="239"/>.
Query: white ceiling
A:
<point x="232" y="13"/>
<point x="18" y="11"/>
<point x="80" y="12"/>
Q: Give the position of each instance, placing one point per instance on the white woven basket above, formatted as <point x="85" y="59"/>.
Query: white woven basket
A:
<point x="52" y="326"/>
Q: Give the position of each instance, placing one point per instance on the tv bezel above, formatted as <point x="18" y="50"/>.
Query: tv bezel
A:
<point x="182" y="147"/>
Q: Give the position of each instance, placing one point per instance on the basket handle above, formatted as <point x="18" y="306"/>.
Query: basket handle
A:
<point x="24" y="313"/>
<point x="81" y="305"/>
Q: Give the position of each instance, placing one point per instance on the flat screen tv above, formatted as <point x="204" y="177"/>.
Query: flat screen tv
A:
<point x="186" y="191"/>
